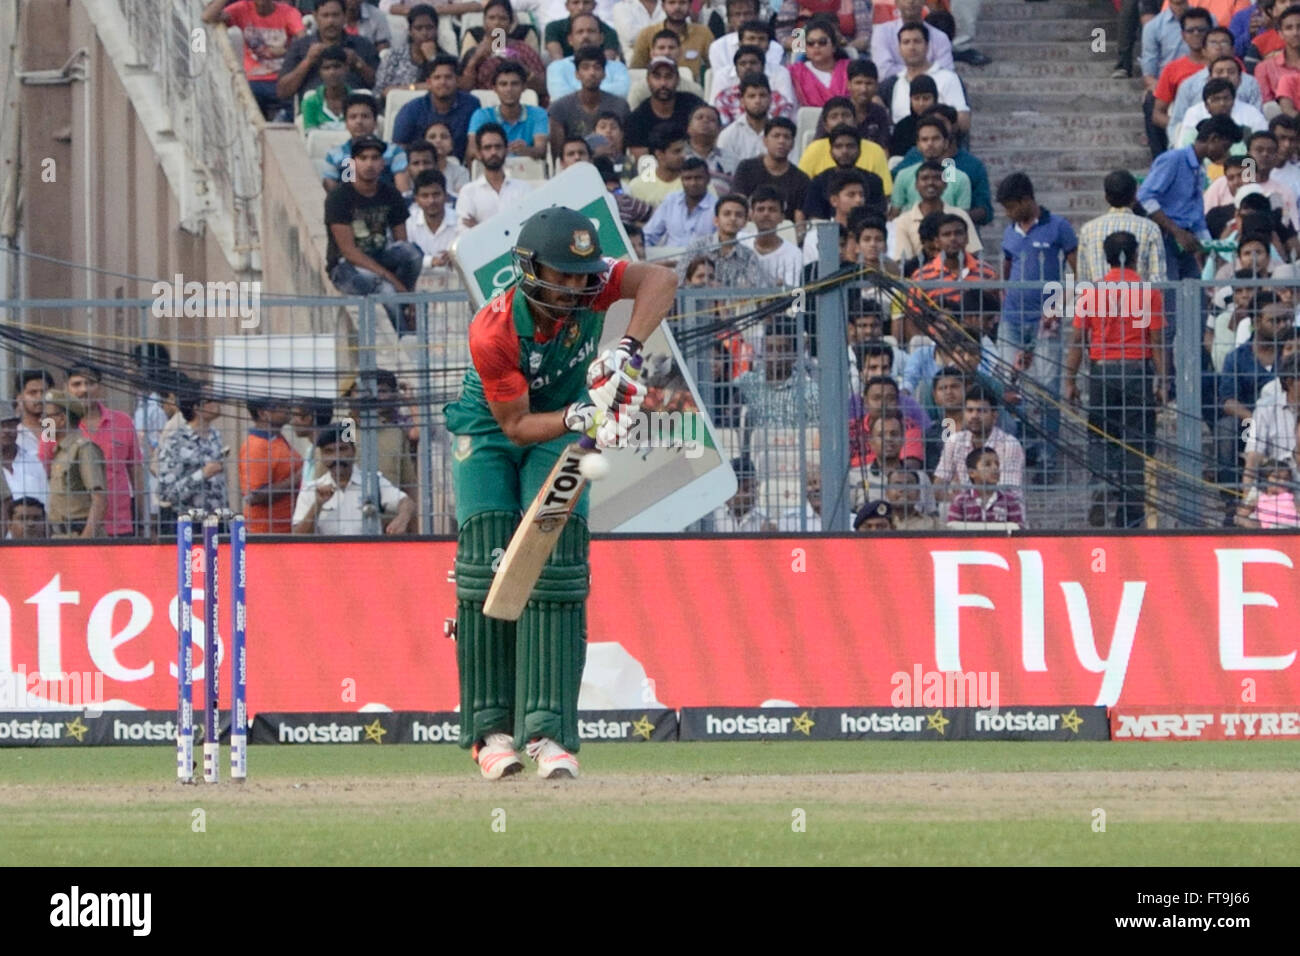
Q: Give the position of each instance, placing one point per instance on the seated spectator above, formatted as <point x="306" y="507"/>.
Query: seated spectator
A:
<point x="779" y="392"/>
<point x="881" y="396"/>
<point x="665" y="105"/>
<point x="685" y="212"/>
<point x="269" y="470"/>
<point x="1218" y="98"/>
<point x="1225" y="67"/>
<point x="931" y="144"/>
<point x="527" y="127"/>
<point x="326" y="106"/>
<point x="484" y="197"/>
<point x="741" y="513"/>
<point x="702" y="142"/>
<point x="562" y="74"/>
<point x="981" y="196"/>
<point x="885" y="51"/>
<point x="401" y="68"/>
<point x="913" y="45"/>
<point x="929" y="187"/>
<point x="1279" y="74"/>
<point x="1274" y="506"/>
<point x="267" y="26"/>
<point x="636" y="238"/>
<point x="359" y="115"/>
<point x="607" y="141"/>
<point x="364" y="19"/>
<point x="817" y="157"/>
<point x="983" y="502"/>
<point x="875" y="515"/>
<point x="578" y="113"/>
<point x="421" y="156"/>
<point x="655" y="183"/>
<point x="908" y="492"/>
<point x="825" y="72"/>
<point x="887" y="443"/>
<point x="559" y="33"/>
<point x="334" y="503"/>
<point x="26" y="520"/>
<point x="192" y="460"/>
<point x="979" y="430"/>
<point x="1287" y="131"/>
<point x="438" y="135"/>
<point x="694" y="39"/>
<point x="300" y="70"/>
<point x="444" y="103"/>
<point x="1221" y="328"/>
<point x="726" y="72"/>
<point x="630" y="17"/>
<point x="735" y="265"/>
<point x="846" y="193"/>
<point x="730" y="100"/>
<point x="1262" y="148"/>
<point x="1195" y="24"/>
<point x="631" y="211"/>
<point x="500" y="40"/>
<point x="844" y="147"/>
<point x="948" y="392"/>
<point x="743" y="138"/>
<point x="809" y="517"/>
<point x="574" y="150"/>
<point x="432" y="224"/>
<point x="774" y="169"/>
<point x="1246" y="370"/>
<point x="395" y="434"/>
<point x="928" y="234"/>
<point x="368" y="251"/>
<point x="953" y="264"/>
<point x="873" y="119"/>
<point x="922" y="97"/>
<point x="780" y="260"/>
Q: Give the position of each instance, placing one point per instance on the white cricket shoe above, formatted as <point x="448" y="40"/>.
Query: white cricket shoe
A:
<point x="496" y="756"/>
<point x="553" y="761"/>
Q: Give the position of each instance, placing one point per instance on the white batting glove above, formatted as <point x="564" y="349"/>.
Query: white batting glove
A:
<point x="585" y="418"/>
<point x="612" y="379"/>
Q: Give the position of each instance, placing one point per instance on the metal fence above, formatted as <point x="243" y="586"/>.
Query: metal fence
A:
<point x="822" y="407"/>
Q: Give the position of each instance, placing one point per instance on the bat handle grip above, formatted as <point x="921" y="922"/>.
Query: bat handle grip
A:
<point x="587" y="442"/>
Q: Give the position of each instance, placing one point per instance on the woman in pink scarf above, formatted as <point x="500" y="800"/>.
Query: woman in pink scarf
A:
<point x="825" y="72"/>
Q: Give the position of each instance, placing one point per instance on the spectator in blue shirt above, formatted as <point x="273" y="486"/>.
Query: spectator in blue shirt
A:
<point x="1162" y="43"/>
<point x="527" y="127"/>
<point x="1246" y="370"/>
<point x="359" y="118"/>
<point x="445" y="103"/>
<point x="685" y="213"/>
<point x="1241" y="26"/>
<point x="1172" y="195"/>
<point x="1036" y="246"/>
<point x="562" y="75"/>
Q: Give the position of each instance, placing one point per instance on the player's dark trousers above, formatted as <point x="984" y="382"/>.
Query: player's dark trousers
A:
<point x="1121" y="406"/>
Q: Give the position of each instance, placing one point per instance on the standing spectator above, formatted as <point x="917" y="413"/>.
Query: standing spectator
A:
<point x="1171" y="194"/>
<point x="685" y="212"/>
<point x="897" y="90"/>
<point x="432" y="224"/>
<point x="1133" y="15"/>
<point x="753" y="31"/>
<point x="774" y="169"/>
<point x="334" y="502"/>
<point x="1162" y="43"/>
<point x="1195" y="24"/>
<point x="152" y="363"/>
<point x="401" y="68"/>
<point x="484" y="197"/>
<point x="438" y="135"/>
<point x="269" y="470"/>
<point x="361" y="257"/>
<point x="498" y="41"/>
<point x="562" y="74"/>
<point x="907" y="224"/>
<point x="984" y="502"/>
<point x="1279" y="75"/>
<point x="779" y="259"/>
<point x="115" y="435"/>
<point x="694" y="38"/>
<point x="655" y="183"/>
<point x="1122" y="333"/>
<point x="872" y="118"/>
<point x="965" y="14"/>
<point x="360" y="116"/>
<point x="192" y="464"/>
<point x="578" y="113"/>
<point x="884" y="41"/>
<point x="326" y="106"/>
<point x="27" y="520"/>
<point x="931" y="143"/>
<point x="825" y="73"/>
<point x="817" y="157"/>
<point x="79" y="495"/>
<point x="743" y="139"/>
<point x="267" y="27"/>
<point x="300" y="70"/>
<point x="1120" y="188"/>
<point x="527" y="128"/>
<point x="444" y="103"/>
<point x="558" y="34"/>
<point x="30" y="386"/>
<point x="735" y="265"/>
<point x="21" y="476"/>
<point x="742" y="514"/>
<point x="361" y="18"/>
<point x="666" y="104"/>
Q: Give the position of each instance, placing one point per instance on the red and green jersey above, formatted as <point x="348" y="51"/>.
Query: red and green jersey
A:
<point x="511" y="357"/>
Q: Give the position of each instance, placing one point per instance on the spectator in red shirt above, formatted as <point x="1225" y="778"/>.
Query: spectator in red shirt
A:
<point x="1278" y="75"/>
<point x="267" y="26"/>
<point x="270" y="471"/>
<point x="1121" y="320"/>
<point x="881" y="398"/>
<point x="114" y="433"/>
<point x="1195" y="23"/>
<point x="952" y="264"/>
<point x="983" y="501"/>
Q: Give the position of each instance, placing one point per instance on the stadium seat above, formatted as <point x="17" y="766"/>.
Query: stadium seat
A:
<point x="393" y="104"/>
<point x="321" y="141"/>
<point x="805" y="128"/>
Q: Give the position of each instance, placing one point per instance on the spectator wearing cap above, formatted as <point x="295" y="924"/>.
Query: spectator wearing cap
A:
<point x="742" y="514"/>
<point x="79" y="499"/>
<point x="562" y="74"/>
<point x="360" y="117"/>
<point x="300" y="70"/>
<point x="527" y="128"/>
<point x="334" y="503"/>
<point x="368" y="251"/>
<point x="875" y="515"/>
<point x="929" y="189"/>
<point x="326" y="106"/>
<point x="884" y="40"/>
<point x="655" y="182"/>
<point x="836" y="113"/>
<point x="1120" y="188"/>
<point x="774" y="169"/>
<point x="270" y="471"/>
<point x="494" y="190"/>
<point x="979" y="430"/>
<point x="983" y="502"/>
<point x="730" y="99"/>
<point x="401" y="68"/>
<point x="267" y="27"/>
<point x="666" y="105"/>
<point x="931" y="144"/>
<point x="694" y="39"/>
<point x="735" y="265"/>
<point x="578" y="113"/>
<point x="1171" y="194"/>
<point x="844" y="151"/>
<point x="684" y="213"/>
<point x="445" y="102"/>
<point x="115" y="434"/>
<point x="630" y="209"/>
<point x="896" y="91"/>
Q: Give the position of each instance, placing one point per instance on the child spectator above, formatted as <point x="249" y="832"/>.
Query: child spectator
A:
<point x="361" y="119"/>
<point x="1274" y="507"/>
<point x="984" y="502"/>
<point x="438" y="135"/>
<point x="326" y="106"/>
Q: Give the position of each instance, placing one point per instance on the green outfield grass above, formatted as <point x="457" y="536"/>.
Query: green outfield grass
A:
<point x="893" y="803"/>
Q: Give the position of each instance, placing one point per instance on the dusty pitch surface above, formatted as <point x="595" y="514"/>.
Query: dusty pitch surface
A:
<point x="1135" y="796"/>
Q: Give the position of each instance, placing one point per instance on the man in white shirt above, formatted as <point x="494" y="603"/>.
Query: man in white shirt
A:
<point x="334" y="502"/>
<point x="630" y="17"/>
<point x="744" y="26"/>
<point x="1218" y="98"/>
<point x="22" y="473"/>
<point x="885" y="46"/>
<point x="741" y="514"/>
<point x="483" y="198"/>
<point x="779" y="259"/>
<point x="914" y="48"/>
<point x="792" y="519"/>
<point x="432" y="225"/>
<point x="30" y="386"/>
<point x="743" y="138"/>
<point x="1287" y="130"/>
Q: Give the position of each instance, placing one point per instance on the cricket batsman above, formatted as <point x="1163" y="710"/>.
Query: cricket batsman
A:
<point x="536" y="385"/>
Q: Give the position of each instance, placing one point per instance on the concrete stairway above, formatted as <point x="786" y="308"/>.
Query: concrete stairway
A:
<point x="1046" y="105"/>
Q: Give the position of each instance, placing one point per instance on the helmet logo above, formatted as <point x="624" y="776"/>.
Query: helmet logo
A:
<point x="582" y="244"/>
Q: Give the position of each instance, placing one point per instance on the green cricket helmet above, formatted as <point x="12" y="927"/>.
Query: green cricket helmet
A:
<point x="563" y="240"/>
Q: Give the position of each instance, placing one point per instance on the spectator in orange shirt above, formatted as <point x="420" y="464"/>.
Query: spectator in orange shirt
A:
<point x="270" y="471"/>
<point x="1121" y="321"/>
<point x="952" y="264"/>
<point x="1195" y="24"/>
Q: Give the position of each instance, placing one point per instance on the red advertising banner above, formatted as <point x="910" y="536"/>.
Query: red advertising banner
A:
<point x="1209" y="621"/>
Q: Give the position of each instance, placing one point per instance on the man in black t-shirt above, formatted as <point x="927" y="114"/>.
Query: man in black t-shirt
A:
<point x="360" y="215"/>
<point x="665" y="105"/>
<point x="845" y="148"/>
<point x="774" y="169"/>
